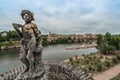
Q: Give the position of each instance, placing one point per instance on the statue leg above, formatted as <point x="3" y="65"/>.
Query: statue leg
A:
<point x="31" y="59"/>
<point x="24" y="60"/>
<point x="30" y="54"/>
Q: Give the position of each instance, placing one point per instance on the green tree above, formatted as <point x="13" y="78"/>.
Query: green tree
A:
<point x="108" y="44"/>
<point x="8" y="36"/>
<point x="2" y="38"/>
<point x="108" y="38"/>
<point x="115" y="41"/>
<point x="44" y="41"/>
<point x="14" y="35"/>
<point x="99" y="40"/>
<point x="106" y="49"/>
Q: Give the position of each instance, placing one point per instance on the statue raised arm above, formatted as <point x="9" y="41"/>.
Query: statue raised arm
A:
<point x="16" y="27"/>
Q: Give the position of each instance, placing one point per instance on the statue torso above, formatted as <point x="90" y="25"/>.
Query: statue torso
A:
<point x="27" y="30"/>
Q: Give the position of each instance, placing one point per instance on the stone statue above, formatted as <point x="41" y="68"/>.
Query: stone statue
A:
<point x="30" y="40"/>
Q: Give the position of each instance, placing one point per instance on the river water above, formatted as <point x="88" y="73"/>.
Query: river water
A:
<point x="9" y="58"/>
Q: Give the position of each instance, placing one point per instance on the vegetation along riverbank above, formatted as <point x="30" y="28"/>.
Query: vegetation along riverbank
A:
<point x="107" y="57"/>
<point x="10" y="39"/>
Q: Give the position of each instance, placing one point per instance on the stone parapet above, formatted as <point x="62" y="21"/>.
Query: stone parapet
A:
<point x="54" y="70"/>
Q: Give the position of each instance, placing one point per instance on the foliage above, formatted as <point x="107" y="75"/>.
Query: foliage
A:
<point x="116" y="41"/>
<point x="44" y="41"/>
<point x="108" y="37"/>
<point x="115" y="60"/>
<point x="117" y="77"/>
<point x="99" y="39"/>
<point x="118" y="56"/>
<point x="8" y="43"/>
<point x="76" y="57"/>
<point x="94" y="63"/>
<point x="71" y="59"/>
<point x="99" y="67"/>
<point x="108" y="43"/>
<point x="10" y="35"/>
<point x="2" y="38"/>
<point x="108" y="63"/>
<point x="106" y="49"/>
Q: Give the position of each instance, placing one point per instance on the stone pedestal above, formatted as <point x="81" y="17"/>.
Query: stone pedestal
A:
<point x="38" y="72"/>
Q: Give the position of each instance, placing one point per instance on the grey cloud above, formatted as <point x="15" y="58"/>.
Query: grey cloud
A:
<point x="75" y="16"/>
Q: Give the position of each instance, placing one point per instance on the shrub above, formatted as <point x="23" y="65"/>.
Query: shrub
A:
<point x="115" y="60"/>
<point x="118" y="56"/>
<point x="117" y="77"/>
<point x="108" y="63"/>
<point x="72" y="63"/>
<point x="106" y="57"/>
<point x="71" y="59"/>
<point x="99" y="67"/>
<point x="90" y="58"/>
<point x="76" y="57"/>
<point x="77" y="61"/>
<point x="101" y="56"/>
<point x="85" y="69"/>
<point x="87" y="61"/>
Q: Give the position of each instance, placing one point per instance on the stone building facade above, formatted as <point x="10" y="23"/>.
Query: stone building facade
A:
<point x="76" y="38"/>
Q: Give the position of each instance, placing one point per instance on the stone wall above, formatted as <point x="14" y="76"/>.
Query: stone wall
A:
<point x="54" y="71"/>
<point x="62" y="71"/>
<point x="11" y="75"/>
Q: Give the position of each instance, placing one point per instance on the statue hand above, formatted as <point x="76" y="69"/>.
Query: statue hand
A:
<point x="17" y="25"/>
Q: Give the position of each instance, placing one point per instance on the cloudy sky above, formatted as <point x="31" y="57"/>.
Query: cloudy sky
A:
<point x="64" y="16"/>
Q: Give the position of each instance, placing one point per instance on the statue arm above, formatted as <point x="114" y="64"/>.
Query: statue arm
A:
<point x="37" y="33"/>
<point x="16" y="27"/>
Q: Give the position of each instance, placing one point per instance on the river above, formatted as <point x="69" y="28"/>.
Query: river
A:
<point x="9" y="58"/>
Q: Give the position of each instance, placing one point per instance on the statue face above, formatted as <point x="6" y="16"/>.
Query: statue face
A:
<point x="27" y="17"/>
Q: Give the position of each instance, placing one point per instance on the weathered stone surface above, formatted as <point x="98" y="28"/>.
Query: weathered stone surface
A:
<point x="53" y="71"/>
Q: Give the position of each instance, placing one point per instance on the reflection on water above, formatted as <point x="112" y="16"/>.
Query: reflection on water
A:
<point x="9" y="58"/>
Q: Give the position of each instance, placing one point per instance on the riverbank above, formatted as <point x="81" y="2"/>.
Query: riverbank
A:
<point x="78" y="57"/>
<point x="97" y="64"/>
<point x="16" y="44"/>
<point x="12" y="45"/>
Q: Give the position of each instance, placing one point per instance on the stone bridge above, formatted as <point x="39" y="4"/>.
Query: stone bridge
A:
<point x="53" y="70"/>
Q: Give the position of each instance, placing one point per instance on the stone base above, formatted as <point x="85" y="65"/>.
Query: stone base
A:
<point x="32" y="76"/>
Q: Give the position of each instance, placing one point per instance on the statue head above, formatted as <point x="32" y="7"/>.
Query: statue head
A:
<point x="27" y="15"/>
